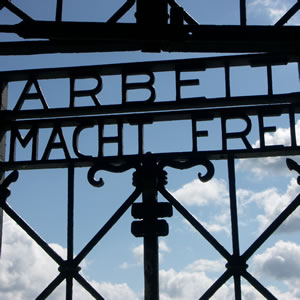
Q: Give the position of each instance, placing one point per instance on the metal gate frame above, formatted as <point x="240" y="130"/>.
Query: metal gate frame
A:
<point x="182" y="34"/>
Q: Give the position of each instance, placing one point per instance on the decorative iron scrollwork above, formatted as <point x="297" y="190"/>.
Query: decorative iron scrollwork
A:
<point x="186" y="164"/>
<point x="106" y="167"/>
<point x="4" y="187"/>
<point x="292" y="165"/>
<point x="160" y="164"/>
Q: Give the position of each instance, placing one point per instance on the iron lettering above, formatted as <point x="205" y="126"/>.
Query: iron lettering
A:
<point x="67" y="142"/>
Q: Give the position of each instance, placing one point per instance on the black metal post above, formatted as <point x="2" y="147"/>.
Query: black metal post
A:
<point x="151" y="259"/>
<point x="3" y="106"/>
<point x="152" y="13"/>
<point x="235" y="231"/>
<point x="70" y="230"/>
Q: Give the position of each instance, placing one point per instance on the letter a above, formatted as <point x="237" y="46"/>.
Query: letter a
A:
<point x="31" y="96"/>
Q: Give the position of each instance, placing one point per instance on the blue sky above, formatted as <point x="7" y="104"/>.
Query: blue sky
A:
<point x="188" y="264"/>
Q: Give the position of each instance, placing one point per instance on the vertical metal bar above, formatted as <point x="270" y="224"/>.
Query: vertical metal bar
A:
<point x="293" y="127"/>
<point x="70" y="230"/>
<point x="233" y="207"/>
<point x="234" y="226"/>
<point x="3" y="106"/>
<point x="151" y="259"/>
<point x="59" y="7"/>
<point x="69" y="287"/>
<point x="141" y="138"/>
<point x="152" y="13"/>
<point x="151" y="268"/>
<point x="227" y="81"/>
<point x="243" y="13"/>
<point x="270" y="80"/>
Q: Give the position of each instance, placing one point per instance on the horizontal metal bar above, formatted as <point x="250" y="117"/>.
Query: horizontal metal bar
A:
<point x="156" y="112"/>
<point x="177" y="156"/>
<point x="192" y="64"/>
<point x="67" y="37"/>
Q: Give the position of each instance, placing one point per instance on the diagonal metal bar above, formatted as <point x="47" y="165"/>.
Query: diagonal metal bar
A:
<point x="17" y="11"/>
<point x="88" y="287"/>
<point x="121" y="11"/>
<point x="187" y="17"/>
<point x="195" y="223"/>
<point x="271" y="229"/>
<point x="258" y="286"/>
<point x="44" y="245"/>
<point x="51" y="287"/>
<point x="288" y="15"/>
<point x="109" y="224"/>
<point x="217" y="284"/>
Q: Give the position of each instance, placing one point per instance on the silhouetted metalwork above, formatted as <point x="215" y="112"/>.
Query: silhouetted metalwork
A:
<point x="178" y="32"/>
<point x="174" y="30"/>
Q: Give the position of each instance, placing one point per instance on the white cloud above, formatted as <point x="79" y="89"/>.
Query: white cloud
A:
<point x="272" y="9"/>
<point x="200" y="194"/>
<point x="216" y="228"/>
<point x="183" y="285"/>
<point x="191" y="285"/>
<point x="281" y="262"/>
<point x="270" y="166"/>
<point x="138" y="254"/>
<point x="264" y="167"/>
<point x="212" y="193"/>
<point x="25" y="270"/>
<point x="109" y="291"/>
<point x="163" y="247"/>
<point x="274" y="203"/>
<point x="206" y="265"/>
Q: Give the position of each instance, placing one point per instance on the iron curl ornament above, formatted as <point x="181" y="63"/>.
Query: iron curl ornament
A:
<point x="152" y="160"/>
<point x="4" y="187"/>
<point x="293" y="166"/>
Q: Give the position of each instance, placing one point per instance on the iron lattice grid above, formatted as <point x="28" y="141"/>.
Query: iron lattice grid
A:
<point x="200" y="38"/>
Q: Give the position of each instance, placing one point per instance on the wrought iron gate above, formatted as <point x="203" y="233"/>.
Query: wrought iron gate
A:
<point x="150" y="176"/>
